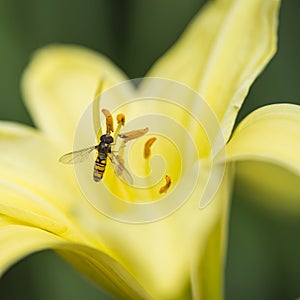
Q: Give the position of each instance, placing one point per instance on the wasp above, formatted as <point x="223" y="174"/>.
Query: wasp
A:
<point x="104" y="151"/>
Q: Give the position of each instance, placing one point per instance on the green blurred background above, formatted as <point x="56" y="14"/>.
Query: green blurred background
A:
<point x="264" y="248"/>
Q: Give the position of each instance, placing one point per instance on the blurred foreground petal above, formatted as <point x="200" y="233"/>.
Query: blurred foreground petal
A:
<point x="19" y="241"/>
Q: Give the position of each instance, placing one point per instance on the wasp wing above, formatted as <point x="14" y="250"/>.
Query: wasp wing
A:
<point x="120" y="170"/>
<point x="77" y="156"/>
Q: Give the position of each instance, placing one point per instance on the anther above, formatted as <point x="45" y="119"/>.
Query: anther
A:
<point x="121" y="122"/>
<point x="109" y="121"/>
<point x="121" y="119"/>
<point x="164" y="188"/>
<point x="147" y="147"/>
<point x="133" y="134"/>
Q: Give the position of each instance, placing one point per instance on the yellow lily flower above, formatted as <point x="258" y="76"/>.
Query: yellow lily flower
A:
<point x="180" y="256"/>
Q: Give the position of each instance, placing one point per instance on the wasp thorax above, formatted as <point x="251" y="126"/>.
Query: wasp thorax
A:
<point x="107" y="139"/>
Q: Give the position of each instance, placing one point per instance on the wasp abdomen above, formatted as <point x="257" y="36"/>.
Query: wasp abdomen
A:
<point x="99" y="168"/>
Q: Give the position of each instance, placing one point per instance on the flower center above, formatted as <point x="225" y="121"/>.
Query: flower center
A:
<point x="149" y="174"/>
<point x="166" y="163"/>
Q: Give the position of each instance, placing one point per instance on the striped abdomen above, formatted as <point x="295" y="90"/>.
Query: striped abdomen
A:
<point x="99" y="167"/>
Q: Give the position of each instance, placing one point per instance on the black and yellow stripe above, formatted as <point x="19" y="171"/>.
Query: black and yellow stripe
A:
<point x="99" y="167"/>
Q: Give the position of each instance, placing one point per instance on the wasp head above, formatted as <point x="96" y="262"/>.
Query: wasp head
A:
<point x="107" y="139"/>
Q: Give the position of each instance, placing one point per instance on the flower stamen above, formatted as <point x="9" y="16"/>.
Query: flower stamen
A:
<point x="121" y="119"/>
<point x="165" y="188"/>
<point x="121" y="122"/>
<point x="133" y="134"/>
<point x="109" y="121"/>
<point x="147" y="147"/>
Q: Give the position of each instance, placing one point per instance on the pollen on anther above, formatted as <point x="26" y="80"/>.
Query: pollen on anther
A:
<point x="164" y="188"/>
<point x="109" y="121"/>
<point x="121" y="119"/>
<point x="147" y="147"/>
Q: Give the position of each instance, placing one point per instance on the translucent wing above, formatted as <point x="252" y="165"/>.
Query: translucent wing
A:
<point x="77" y="156"/>
<point x="120" y="170"/>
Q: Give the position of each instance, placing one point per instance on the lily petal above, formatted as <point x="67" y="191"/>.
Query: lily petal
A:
<point x="37" y="192"/>
<point x="26" y="159"/>
<point x="207" y="270"/>
<point x="266" y="148"/>
<point x="19" y="241"/>
<point x="58" y="85"/>
<point x="38" y="210"/>
<point x="35" y="189"/>
<point x="222" y="52"/>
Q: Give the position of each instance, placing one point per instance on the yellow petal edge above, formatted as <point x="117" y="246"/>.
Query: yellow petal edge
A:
<point x="39" y="210"/>
<point x="222" y="52"/>
<point x="60" y="82"/>
<point x="266" y="146"/>
<point x="22" y="240"/>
